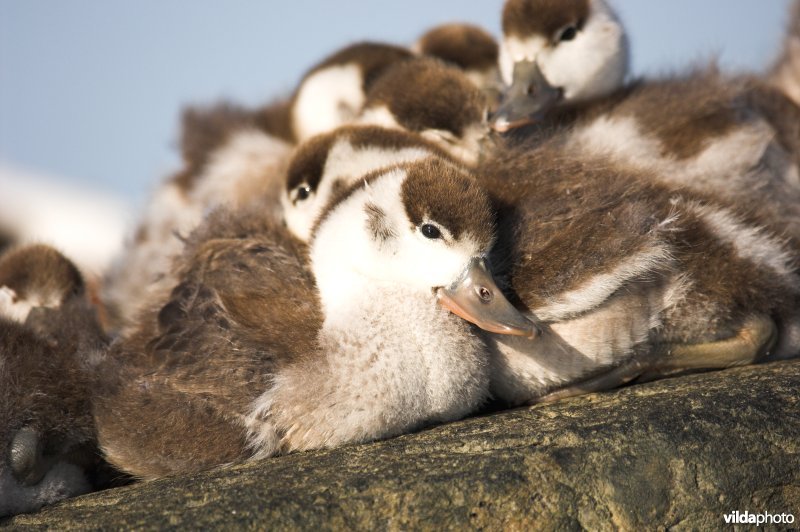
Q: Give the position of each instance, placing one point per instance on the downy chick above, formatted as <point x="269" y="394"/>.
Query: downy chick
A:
<point x="256" y="351"/>
<point x="470" y="48"/>
<point x="733" y="136"/>
<point x="557" y="52"/>
<point x="333" y="93"/>
<point x="49" y="338"/>
<point x="433" y="99"/>
<point x="630" y="277"/>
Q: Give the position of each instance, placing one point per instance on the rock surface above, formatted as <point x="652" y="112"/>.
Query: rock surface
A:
<point x="677" y="453"/>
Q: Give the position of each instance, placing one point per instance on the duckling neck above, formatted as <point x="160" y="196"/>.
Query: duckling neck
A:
<point x="390" y="362"/>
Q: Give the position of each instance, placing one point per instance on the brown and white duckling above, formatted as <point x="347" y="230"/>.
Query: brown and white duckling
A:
<point x="257" y="352"/>
<point x="579" y="72"/>
<point x="330" y="163"/>
<point x="436" y="100"/>
<point x="49" y="337"/>
<point x="631" y="277"/>
<point x="557" y="52"/>
<point x="333" y="92"/>
<point x="472" y="49"/>
<point x="737" y="137"/>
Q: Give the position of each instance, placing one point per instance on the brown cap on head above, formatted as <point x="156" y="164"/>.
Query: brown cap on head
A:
<point x="426" y="93"/>
<point x="464" y="45"/>
<point x="523" y="18"/>
<point x="373" y="58"/>
<point x="437" y="190"/>
<point x="41" y="270"/>
<point x="308" y="162"/>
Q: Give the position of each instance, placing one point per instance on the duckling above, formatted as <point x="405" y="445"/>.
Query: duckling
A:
<point x="266" y="346"/>
<point x="630" y="277"/>
<point x="49" y="338"/>
<point x="737" y="137"/>
<point x="330" y="163"/>
<point x="229" y="159"/>
<point x="470" y="48"/>
<point x="333" y="92"/>
<point x="558" y="52"/>
<point x="429" y="97"/>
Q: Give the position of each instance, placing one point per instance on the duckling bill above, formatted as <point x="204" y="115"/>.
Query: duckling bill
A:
<point x="569" y="51"/>
<point x="476" y="298"/>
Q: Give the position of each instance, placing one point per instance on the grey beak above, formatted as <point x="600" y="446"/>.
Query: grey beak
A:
<point x="527" y="100"/>
<point x="476" y="298"/>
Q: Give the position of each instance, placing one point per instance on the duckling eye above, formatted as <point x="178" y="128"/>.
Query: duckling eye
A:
<point x="301" y="193"/>
<point x="430" y="231"/>
<point x="568" y="33"/>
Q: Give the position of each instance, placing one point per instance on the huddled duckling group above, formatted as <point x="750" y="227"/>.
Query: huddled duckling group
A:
<point x="409" y="235"/>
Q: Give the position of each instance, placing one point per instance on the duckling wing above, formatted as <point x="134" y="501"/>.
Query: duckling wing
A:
<point x="242" y="308"/>
<point x="181" y="386"/>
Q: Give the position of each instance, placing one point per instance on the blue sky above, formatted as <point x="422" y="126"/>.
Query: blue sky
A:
<point x="91" y="90"/>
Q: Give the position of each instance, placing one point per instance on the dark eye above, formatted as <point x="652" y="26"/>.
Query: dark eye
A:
<point x="568" y="33"/>
<point x="431" y="231"/>
<point x="302" y="193"/>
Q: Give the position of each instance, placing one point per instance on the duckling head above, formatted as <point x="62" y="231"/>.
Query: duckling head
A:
<point x="333" y="92"/>
<point x="328" y="164"/>
<point x="425" y="228"/>
<point x="427" y="96"/>
<point x="36" y="276"/>
<point x="468" y="47"/>
<point x="557" y="51"/>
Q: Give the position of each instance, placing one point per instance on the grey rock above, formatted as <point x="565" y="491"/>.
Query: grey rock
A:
<point x="677" y="453"/>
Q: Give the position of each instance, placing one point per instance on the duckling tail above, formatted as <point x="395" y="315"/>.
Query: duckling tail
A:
<point x="785" y="73"/>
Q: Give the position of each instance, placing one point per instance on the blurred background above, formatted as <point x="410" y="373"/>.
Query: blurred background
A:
<point x="91" y="90"/>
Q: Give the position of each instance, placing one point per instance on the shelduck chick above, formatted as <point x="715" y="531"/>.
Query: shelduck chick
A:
<point x="632" y="278"/>
<point x="736" y="137"/>
<point x="470" y="48"/>
<point x="564" y="61"/>
<point x="429" y="97"/>
<point x="49" y="337"/>
<point x="329" y="164"/>
<point x="557" y="52"/>
<point x="333" y="93"/>
<point x="257" y="351"/>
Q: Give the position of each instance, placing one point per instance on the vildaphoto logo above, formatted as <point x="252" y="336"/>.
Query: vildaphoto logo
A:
<point x="763" y="518"/>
